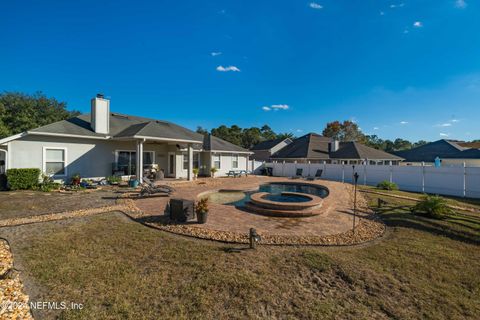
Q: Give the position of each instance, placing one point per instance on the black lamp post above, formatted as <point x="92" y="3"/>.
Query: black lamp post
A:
<point x="355" y="181"/>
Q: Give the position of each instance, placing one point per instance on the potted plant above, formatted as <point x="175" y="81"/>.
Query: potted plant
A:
<point x="195" y="172"/>
<point x="212" y="171"/>
<point x="201" y="209"/>
<point x="76" y="179"/>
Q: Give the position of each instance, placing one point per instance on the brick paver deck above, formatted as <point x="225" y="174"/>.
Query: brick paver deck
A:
<point x="336" y="216"/>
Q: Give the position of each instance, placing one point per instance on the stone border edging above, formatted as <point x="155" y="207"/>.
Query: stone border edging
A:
<point x="367" y="230"/>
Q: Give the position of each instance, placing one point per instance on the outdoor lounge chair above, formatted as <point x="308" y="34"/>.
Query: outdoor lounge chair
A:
<point x="149" y="188"/>
<point x="298" y="173"/>
<point x="318" y="175"/>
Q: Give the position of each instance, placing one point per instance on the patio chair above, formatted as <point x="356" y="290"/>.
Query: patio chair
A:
<point x="149" y="188"/>
<point x="317" y="176"/>
<point x="298" y="173"/>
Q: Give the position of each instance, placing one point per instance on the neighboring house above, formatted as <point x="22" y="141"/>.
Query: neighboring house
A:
<point x="450" y="152"/>
<point x="315" y="148"/>
<point x="265" y="149"/>
<point x="102" y="143"/>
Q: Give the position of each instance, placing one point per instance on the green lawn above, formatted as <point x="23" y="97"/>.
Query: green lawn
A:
<point x="119" y="269"/>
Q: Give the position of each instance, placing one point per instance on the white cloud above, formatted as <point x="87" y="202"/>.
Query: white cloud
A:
<point x="403" y="122"/>
<point x="382" y="13"/>
<point x="394" y="6"/>
<point x="214" y="54"/>
<point x="418" y="24"/>
<point x="299" y="130"/>
<point x="229" y="68"/>
<point x="461" y="4"/>
<point x="443" y="125"/>
<point x="314" y="5"/>
<point x="454" y="120"/>
<point x="444" y="135"/>
<point x="276" y="107"/>
<point x="376" y="128"/>
<point x="280" y="107"/>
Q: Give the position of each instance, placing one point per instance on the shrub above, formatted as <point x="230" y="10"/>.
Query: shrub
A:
<point x="213" y="170"/>
<point x="387" y="185"/>
<point x="23" y="179"/>
<point x="114" y="179"/>
<point x="195" y="172"/>
<point x="433" y="207"/>
<point x="201" y="206"/>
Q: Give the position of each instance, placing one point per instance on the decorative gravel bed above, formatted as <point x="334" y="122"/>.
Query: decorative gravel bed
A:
<point x="13" y="302"/>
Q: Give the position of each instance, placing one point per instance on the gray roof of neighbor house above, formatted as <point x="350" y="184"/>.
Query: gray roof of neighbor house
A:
<point x="212" y="143"/>
<point x="466" y="154"/>
<point x="428" y="152"/>
<point x="127" y="126"/>
<point x="269" y="144"/>
<point x="314" y="146"/>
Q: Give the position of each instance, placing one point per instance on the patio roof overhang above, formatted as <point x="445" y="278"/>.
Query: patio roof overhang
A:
<point x="158" y="139"/>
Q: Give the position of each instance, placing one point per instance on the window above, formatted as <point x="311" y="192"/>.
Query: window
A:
<point x="127" y="161"/>
<point x="55" y="161"/>
<point x="234" y="161"/>
<point x="216" y="161"/>
<point x="196" y="160"/>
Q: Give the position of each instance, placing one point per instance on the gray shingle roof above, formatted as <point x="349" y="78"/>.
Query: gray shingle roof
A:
<point x="316" y="147"/>
<point x="216" y="144"/>
<point x="428" y="152"/>
<point x="268" y="144"/>
<point x="126" y="126"/>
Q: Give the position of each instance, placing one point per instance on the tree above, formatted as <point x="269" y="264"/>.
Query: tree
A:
<point x="285" y="135"/>
<point x="419" y="143"/>
<point x="267" y="133"/>
<point x="20" y="112"/>
<point x="201" y="130"/>
<point x="401" y="144"/>
<point x="346" y="131"/>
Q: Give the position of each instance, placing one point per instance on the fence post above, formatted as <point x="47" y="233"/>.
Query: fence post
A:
<point x="283" y="168"/>
<point x="343" y="173"/>
<point x="365" y="173"/>
<point x="464" y="179"/>
<point x="423" y="177"/>
<point x="309" y="167"/>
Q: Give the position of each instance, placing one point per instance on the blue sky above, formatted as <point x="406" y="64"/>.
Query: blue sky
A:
<point x="407" y="69"/>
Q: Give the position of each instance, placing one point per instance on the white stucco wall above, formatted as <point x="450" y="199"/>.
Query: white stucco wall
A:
<point x="91" y="158"/>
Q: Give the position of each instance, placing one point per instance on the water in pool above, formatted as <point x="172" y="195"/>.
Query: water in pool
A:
<point x="238" y="198"/>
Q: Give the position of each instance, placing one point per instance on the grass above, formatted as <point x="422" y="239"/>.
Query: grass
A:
<point x="455" y="201"/>
<point x="117" y="268"/>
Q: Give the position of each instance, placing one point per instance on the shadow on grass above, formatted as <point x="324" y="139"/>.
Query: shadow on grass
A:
<point x="400" y="216"/>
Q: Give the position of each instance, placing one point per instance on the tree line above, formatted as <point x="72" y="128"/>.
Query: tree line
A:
<point x="20" y="112"/>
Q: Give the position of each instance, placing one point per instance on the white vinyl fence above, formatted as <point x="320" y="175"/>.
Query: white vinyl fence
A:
<point x="453" y="181"/>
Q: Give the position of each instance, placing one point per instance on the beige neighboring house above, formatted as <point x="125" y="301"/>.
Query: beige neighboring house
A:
<point x="265" y="149"/>
<point x="104" y="143"/>
<point x="315" y="148"/>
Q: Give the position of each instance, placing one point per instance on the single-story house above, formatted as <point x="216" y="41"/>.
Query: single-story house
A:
<point x="265" y="149"/>
<point x="315" y="148"/>
<point x="450" y="153"/>
<point x="103" y="143"/>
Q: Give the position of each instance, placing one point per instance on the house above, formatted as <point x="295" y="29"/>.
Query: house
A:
<point x="315" y="148"/>
<point x="265" y="149"/>
<point x="103" y="143"/>
<point x="450" y="152"/>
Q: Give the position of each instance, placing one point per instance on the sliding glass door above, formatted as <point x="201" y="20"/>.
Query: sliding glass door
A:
<point x="127" y="161"/>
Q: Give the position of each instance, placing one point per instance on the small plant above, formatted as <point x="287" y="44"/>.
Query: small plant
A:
<point x="201" y="209"/>
<point x="114" y="180"/>
<point x="76" y="178"/>
<point x="213" y="170"/>
<point x="48" y="184"/>
<point x="195" y="172"/>
<point x="387" y="185"/>
<point x="433" y="207"/>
